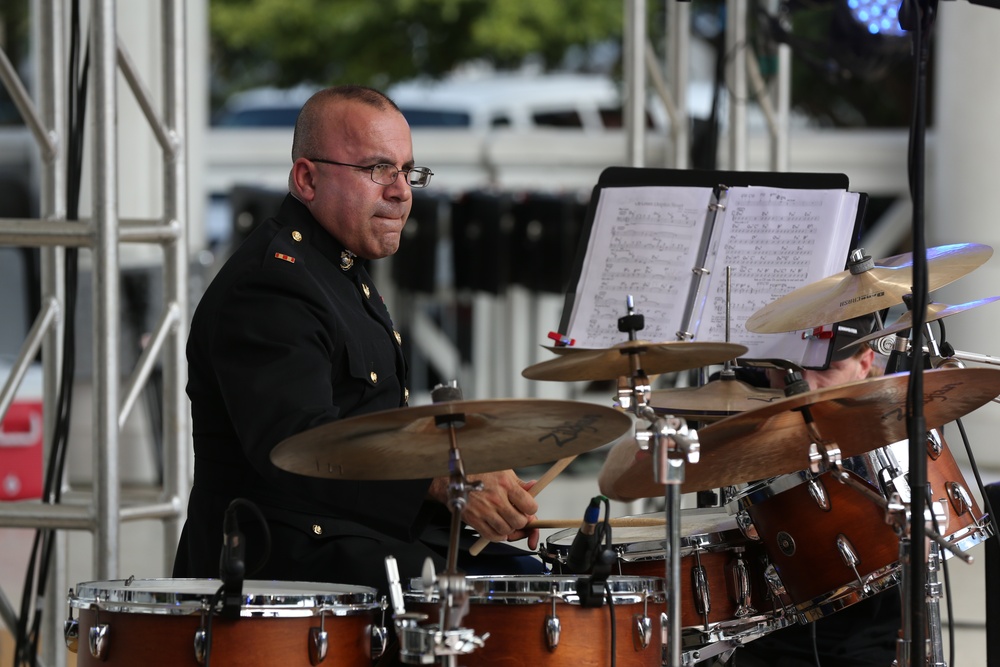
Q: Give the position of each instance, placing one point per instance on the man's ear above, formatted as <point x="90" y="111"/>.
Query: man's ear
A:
<point x="303" y="179"/>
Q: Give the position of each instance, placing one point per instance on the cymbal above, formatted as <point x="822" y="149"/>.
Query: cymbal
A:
<point x="593" y="364"/>
<point x="845" y="295"/>
<point x="407" y="443"/>
<point x="858" y="416"/>
<point x="713" y="401"/>
<point x="935" y="311"/>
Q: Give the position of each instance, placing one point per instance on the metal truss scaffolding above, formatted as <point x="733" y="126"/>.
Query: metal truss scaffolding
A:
<point x="104" y="507"/>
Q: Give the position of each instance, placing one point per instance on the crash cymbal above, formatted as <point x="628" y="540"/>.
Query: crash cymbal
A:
<point x="407" y="443"/>
<point x="935" y="311"/>
<point x="713" y="401"/>
<point x="858" y="417"/>
<point x="845" y="295"/>
<point x="594" y="364"/>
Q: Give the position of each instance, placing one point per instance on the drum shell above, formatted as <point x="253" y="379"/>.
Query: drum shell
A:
<point x="800" y="538"/>
<point x="163" y="634"/>
<point x="710" y="539"/>
<point x="516" y="622"/>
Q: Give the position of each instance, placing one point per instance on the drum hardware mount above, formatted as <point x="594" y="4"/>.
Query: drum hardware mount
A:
<point x="319" y="641"/>
<point x="899" y="517"/>
<point x="446" y="640"/>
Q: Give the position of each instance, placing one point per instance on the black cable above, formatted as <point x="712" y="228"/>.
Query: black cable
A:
<point x="815" y="642"/>
<point x="27" y="640"/>
<point x="237" y="503"/>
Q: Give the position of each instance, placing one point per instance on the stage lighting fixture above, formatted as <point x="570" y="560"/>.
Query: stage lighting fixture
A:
<point x="878" y="17"/>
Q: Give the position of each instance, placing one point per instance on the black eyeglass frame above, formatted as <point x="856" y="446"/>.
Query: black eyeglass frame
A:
<point x="423" y="171"/>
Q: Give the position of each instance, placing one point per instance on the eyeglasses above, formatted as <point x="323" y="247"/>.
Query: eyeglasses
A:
<point x="385" y="174"/>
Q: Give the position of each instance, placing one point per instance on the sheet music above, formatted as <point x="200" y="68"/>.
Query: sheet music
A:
<point x="774" y="240"/>
<point x="644" y="242"/>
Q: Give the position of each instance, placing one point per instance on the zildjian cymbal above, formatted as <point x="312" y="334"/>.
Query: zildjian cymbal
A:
<point x="415" y="442"/>
<point x="713" y="401"/>
<point x="858" y="416"/>
<point x="595" y="364"/>
<point x="935" y="311"/>
<point x="858" y="292"/>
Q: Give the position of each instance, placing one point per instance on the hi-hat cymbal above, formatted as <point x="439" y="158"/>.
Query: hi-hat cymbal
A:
<point x="845" y="295"/>
<point x="858" y="417"/>
<point x="407" y="443"/>
<point x="594" y="364"/>
<point x="935" y="311"/>
<point x="713" y="401"/>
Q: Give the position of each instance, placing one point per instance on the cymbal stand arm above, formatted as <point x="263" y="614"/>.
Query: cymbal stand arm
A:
<point x="672" y="444"/>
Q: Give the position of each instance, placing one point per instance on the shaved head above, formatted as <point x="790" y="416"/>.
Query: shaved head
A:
<point x="309" y="127"/>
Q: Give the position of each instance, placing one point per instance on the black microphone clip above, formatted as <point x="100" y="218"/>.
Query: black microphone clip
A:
<point x="232" y="565"/>
<point x="583" y="550"/>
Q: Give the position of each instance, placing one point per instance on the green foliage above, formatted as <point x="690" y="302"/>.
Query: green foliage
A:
<point x="375" y="42"/>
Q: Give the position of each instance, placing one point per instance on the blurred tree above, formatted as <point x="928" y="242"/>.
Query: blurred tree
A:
<point x="281" y="43"/>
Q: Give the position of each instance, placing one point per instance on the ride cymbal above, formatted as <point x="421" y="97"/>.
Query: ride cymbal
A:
<point x="595" y="364"/>
<point x="858" y="416"/>
<point x="713" y="401"/>
<point x="935" y="311"/>
<point x="408" y="443"/>
<point x="847" y="294"/>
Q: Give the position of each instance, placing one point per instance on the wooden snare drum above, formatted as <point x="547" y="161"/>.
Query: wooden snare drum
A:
<point x="165" y="622"/>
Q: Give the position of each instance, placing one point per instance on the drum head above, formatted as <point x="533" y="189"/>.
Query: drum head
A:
<point x="189" y="596"/>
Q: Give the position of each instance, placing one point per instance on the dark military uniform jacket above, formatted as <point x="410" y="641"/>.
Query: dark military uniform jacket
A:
<point x="286" y="338"/>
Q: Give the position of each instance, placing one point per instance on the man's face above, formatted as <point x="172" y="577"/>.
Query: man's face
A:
<point x="839" y="372"/>
<point x="366" y="217"/>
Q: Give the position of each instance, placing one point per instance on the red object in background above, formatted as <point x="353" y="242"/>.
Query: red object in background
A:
<point x="21" y="451"/>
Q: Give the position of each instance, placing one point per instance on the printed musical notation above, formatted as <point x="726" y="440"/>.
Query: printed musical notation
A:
<point x="643" y="243"/>
<point x="646" y="241"/>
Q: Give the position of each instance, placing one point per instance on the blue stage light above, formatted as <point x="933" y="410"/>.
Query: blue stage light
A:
<point x="878" y="17"/>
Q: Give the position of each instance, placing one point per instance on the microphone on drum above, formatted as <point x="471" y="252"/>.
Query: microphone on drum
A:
<point x="232" y="564"/>
<point x="583" y="550"/>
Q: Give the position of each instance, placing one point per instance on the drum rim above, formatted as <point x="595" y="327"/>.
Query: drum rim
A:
<point x="260" y="597"/>
<point x="536" y="588"/>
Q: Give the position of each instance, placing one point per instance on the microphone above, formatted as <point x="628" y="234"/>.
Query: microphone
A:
<point x="232" y="566"/>
<point x="582" y="551"/>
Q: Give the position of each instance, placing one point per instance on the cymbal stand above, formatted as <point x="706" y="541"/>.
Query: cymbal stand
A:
<point x="447" y="640"/>
<point x="900" y="517"/>
<point x="671" y="443"/>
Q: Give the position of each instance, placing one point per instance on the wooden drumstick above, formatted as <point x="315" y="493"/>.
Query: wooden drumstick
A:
<point x="542" y="482"/>
<point x="620" y="522"/>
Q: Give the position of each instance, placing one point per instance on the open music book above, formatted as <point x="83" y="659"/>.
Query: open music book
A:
<point x="670" y="247"/>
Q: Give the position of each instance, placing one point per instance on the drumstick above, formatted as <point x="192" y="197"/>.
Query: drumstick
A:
<point x="620" y="522"/>
<point x="543" y="481"/>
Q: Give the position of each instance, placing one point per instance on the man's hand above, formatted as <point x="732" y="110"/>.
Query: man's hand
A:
<point x="500" y="511"/>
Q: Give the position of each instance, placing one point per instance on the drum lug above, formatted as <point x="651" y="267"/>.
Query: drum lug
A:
<point x="700" y="588"/>
<point x="741" y="584"/>
<point x="643" y="631"/>
<point x="818" y="493"/>
<point x="98" y="639"/>
<point x="960" y="498"/>
<point x="935" y="445"/>
<point x="850" y="557"/>
<point x="553" y="626"/>
<point x="746" y="526"/>
<point x="71" y="631"/>
<point x="319" y="641"/>
<point x="200" y="645"/>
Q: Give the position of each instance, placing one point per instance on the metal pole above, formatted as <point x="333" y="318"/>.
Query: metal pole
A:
<point x="176" y="423"/>
<point x="678" y="50"/>
<point x="105" y="270"/>
<point x="736" y="76"/>
<point x="635" y="81"/>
